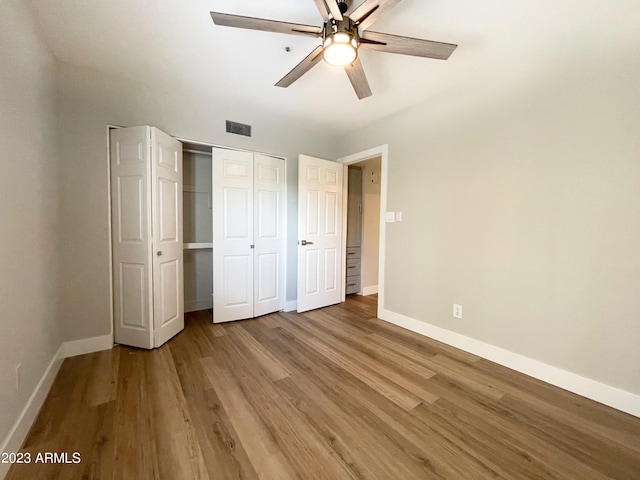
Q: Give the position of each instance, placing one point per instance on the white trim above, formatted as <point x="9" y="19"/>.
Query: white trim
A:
<point x="370" y="290"/>
<point x="18" y="433"/>
<point x="586" y="387"/>
<point x="383" y="152"/>
<point x="87" y="345"/>
<point x="285" y="236"/>
<point x="197" y="305"/>
<point x="291" y="306"/>
<point x="110" y="232"/>
<point x="343" y="240"/>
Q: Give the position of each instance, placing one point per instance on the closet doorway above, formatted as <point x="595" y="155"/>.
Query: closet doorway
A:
<point x="234" y="228"/>
<point x="366" y="259"/>
<point x="363" y="227"/>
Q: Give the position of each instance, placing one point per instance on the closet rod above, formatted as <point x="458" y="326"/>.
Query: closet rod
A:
<point x="189" y="150"/>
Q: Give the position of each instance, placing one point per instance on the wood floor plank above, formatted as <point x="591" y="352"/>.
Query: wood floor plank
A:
<point x="329" y="394"/>
<point x="262" y="356"/>
<point x="393" y="392"/>
<point x="358" y="363"/>
<point x="397" y="387"/>
<point x="616" y="460"/>
<point x="487" y="447"/>
<point x="330" y="402"/>
<point x="411" y="444"/>
<point x="623" y="432"/>
<point x="218" y="330"/>
<point x="420" y="343"/>
<point x="221" y="447"/>
<point x="135" y="446"/>
<point x="177" y="446"/>
<point x="624" y="427"/>
<point x="303" y="449"/>
<point x="102" y="384"/>
<point x="488" y="416"/>
<point x="263" y="452"/>
<point x="352" y="437"/>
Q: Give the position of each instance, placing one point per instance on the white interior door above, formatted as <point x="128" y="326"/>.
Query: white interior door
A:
<point x="269" y="188"/>
<point x="168" y="275"/>
<point x="232" y="235"/>
<point x="130" y="151"/>
<point x="319" y="233"/>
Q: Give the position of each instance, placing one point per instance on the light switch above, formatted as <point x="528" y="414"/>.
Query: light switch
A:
<point x="398" y="216"/>
<point x="390" y="217"/>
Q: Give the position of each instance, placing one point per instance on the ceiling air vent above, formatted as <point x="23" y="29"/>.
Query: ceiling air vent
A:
<point x="238" y="128"/>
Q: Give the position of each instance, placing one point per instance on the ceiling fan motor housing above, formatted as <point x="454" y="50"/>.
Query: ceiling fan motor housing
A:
<point x="346" y="25"/>
<point x="340" y="42"/>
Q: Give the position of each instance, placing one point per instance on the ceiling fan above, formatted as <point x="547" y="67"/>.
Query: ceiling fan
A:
<point x="342" y="35"/>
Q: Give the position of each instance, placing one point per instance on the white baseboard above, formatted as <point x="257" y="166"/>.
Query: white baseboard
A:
<point x="197" y="305"/>
<point x="87" y="345"/>
<point x="18" y="433"/>
<point x="291" y="306"/>
<point x="371" y="290"/>
<point x="586" y="387"/>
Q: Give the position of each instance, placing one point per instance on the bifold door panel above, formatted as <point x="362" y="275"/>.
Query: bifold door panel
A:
<point x="146" y="204"/>
<point x="248" y="212"/>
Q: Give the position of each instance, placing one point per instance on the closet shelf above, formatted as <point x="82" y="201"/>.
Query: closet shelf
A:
<point x="197" y="246"/>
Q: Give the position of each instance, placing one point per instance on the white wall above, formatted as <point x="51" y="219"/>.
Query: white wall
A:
<point x="88" y="102"/>
<point x="521" y="201"/>
<point x="30" y="330"/>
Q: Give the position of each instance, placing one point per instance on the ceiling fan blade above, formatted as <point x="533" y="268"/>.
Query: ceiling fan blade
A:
<point x="334" y="9"/>
<point x="303" y="67"/>
<point x="370" y="12"/>
<point x="322" y="8"/>
<point x="384" y="42"/>
<point x="358" y="79"/>
<point x="251" y="23"/>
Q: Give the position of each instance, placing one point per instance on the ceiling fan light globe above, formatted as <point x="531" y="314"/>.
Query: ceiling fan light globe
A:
<point x="340" y="50"/>
<point x="341" y="37"/>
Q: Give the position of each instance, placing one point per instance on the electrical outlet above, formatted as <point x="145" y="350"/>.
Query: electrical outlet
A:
<point x="18" y="367"/>
<point x="457" y="310"/>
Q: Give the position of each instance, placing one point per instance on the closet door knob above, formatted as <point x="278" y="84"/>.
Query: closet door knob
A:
<point x="159" y="253"/>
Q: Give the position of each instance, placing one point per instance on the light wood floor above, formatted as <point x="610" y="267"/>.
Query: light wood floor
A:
<point x="330" y="394"/>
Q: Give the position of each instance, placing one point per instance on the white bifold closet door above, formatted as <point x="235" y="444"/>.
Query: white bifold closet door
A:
<point x="248" y="234"/>
<point x="146" y="223"/>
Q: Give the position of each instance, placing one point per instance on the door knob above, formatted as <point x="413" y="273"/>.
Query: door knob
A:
<point x="304" y="242"/>
<point x="159" y="253"/>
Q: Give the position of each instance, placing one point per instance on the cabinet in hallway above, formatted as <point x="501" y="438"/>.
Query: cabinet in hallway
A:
<point x="354" y="231"/>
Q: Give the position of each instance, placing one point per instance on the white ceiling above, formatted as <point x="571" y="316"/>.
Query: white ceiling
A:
<point x="174" y="44"/>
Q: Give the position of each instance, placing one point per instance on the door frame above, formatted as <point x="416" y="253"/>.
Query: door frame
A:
<point x="381" y="151"/>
